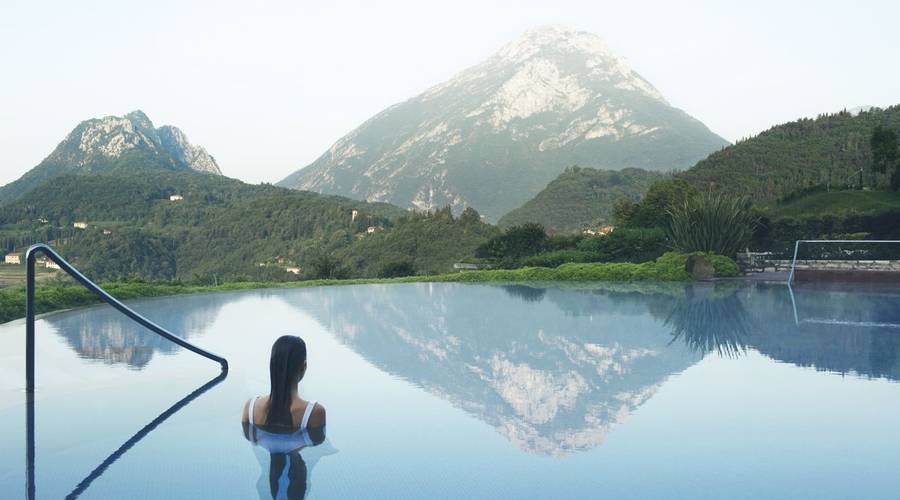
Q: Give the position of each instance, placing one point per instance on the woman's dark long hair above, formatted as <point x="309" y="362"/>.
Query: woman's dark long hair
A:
<point x="286" y="367"/>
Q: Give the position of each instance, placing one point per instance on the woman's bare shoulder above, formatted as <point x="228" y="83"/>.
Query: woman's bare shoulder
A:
<point x="245" y="413"/>
<point x="317" y="417"/>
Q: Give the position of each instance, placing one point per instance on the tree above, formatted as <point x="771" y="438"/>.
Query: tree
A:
<point x="652" y="211"/>
<point x="517" y="242"/>
<point x="470" y="216"/>
<point x="327" y="267"/>
<point x="885" y="153"/>
<point x="623" y="211"/>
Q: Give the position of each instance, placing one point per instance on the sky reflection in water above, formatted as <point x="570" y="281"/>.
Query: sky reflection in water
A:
<point x="482" y="391"/>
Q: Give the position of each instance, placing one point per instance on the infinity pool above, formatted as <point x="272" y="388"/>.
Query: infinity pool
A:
<point x="474" y="391"/>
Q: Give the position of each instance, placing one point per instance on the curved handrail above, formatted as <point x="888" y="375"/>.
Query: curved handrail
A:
<point x="141" y="434"/>
<point x="30" y="257"/>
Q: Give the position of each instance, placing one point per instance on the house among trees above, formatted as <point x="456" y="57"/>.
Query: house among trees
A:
<point x="80" y="225"/>
<point x="372" y="229"/>
<point x="601" y="231"/>
<point x="51" y="265"/>
<point x="176" y="197"/>
<point x="353" y="215"/>
<point x="12" y="258"/>
<point x="107" y="232"/>
<point x="293" y="269"/>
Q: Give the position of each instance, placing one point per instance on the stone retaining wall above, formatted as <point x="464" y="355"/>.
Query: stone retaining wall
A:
<point x="759" y="262"/>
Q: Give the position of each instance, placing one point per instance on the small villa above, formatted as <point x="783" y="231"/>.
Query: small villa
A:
<point x="107" y="232"/>
<point x="12" y="258"/>
<point x="293" y="269"/>
<point x="176" y="197"/>
<point x="601" y="231"/>
<point x="80" y="225"/>
<point x="51" y="265"/>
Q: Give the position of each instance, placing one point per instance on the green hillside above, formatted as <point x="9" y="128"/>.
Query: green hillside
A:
<point x="838" y="202"/>
<point x="581" y="197"/>
<point x="830" y="150"/>
<point x="224" y="229"/>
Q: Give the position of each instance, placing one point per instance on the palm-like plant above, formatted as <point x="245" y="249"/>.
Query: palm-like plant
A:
<point x="711" y="222"/>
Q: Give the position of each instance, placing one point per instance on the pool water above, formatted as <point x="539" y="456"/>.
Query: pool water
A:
<point x="474" y="391"/>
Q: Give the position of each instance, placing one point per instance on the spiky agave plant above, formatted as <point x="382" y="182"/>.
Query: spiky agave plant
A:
<point x="711" y="222"/>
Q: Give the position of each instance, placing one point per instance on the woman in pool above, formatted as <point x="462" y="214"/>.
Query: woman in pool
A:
<point x="282" y="422"/>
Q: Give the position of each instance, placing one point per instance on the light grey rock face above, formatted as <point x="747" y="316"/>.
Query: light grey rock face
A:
<point x="195" y="157"/>
<point x="119" y="143"/>
<point x="497" y="133"/>
<point x="109" y="138"/>
<point x="106" y="138"/>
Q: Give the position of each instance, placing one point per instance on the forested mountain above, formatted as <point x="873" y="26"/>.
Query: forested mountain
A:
<point x="130" y="144"/>
<point x="494" y="135"/>
<point x="831" y="150"/>
<point x="224" y="229"/>
<point x="581" y="197"/>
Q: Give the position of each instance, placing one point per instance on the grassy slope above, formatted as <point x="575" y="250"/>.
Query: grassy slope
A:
<point x="581" y="197"/>
<point x="668" y="268"/>
<point x="14" y="275"/>
<point x="838" y="202"/>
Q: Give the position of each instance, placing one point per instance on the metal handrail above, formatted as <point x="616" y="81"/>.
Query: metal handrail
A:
<point x="141" y="434"/>
<point x="30" y="487"/>
<point x="31" y="256"/>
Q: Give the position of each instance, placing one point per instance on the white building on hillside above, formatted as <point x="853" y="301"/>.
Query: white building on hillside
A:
<point x="176" y="197"/>
<point x="80" y="225"/>
<point x="51" y="265"/>
<point x="12" y="258"/>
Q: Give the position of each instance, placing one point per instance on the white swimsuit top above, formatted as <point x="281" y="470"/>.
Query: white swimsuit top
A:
<point x="277" y="442"/>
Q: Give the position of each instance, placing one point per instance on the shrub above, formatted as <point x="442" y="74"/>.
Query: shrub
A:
<point x="557" y="258"/>
<point x="712" y="222"/>
<point x="724" y="266"/>
<point x="625" y="245"/>
<point x="397" y="269"/>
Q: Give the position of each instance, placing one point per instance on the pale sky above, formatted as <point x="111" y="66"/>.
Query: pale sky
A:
<point x="268" y="86"/>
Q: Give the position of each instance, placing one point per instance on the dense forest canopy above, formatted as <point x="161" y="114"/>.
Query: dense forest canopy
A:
<point x="832" y="150"/>
<point x="581" y="198"/>
<point x="224" y="229"/>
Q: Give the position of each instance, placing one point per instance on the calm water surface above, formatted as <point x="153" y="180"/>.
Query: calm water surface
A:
<point x="475" y="391"/>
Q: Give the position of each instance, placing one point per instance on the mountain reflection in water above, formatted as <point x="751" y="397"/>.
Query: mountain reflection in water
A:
<point x="552" y="369"/>
<point x="106" y="335"/>
<point x="555" y="369"/>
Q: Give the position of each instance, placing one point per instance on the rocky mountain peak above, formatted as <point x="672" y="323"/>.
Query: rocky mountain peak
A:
<point x="556" y="38"/>
<point x="116" y="142"/>
<point x="110" y="137"/>
<point x="495" y="134"/>
<point x="196" y="157"/>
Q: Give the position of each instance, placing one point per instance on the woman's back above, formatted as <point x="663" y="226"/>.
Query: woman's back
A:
<point x="307" y="431"/>
<point x="304" y="414"/>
